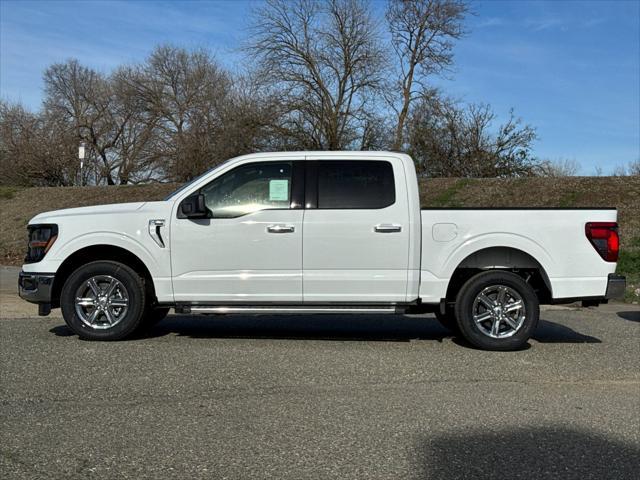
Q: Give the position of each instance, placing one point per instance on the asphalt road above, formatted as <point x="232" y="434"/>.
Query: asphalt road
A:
<point x="322" y="397"/>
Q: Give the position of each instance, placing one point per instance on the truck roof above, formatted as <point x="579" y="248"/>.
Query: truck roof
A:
<point x="325" y="154"/>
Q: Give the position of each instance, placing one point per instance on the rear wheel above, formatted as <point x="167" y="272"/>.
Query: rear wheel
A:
<point x="103" y="300"/>
<point x="497" y="310"/>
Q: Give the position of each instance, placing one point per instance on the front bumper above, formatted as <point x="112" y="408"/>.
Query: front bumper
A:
<point x="36" y="287"/>
<point x="616" y="286"/>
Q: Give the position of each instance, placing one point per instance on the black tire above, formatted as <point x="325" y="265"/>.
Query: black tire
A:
<point x="526" y="320"/>
<point x="136" y="300"/>
<point x="448" y="320"/>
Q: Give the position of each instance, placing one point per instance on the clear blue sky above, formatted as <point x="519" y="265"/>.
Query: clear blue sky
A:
<point x="570" y="68"/>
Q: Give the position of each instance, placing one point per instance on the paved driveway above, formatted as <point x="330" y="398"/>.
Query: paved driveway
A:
<point x="322" y="397"/>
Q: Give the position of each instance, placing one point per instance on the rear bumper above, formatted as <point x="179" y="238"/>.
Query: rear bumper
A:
<point x="615" y="289"/>
<point x="36" y="287"/>
<point x="616" y="286"/>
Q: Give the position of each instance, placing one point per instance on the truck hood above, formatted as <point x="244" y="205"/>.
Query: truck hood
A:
<point x="116" y="208"/>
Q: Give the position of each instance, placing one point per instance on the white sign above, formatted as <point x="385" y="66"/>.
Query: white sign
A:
<point x="278" y="190"/>
<point x="81" y="152"/>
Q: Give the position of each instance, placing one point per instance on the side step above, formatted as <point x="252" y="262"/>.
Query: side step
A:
<point x="289" y="309"/>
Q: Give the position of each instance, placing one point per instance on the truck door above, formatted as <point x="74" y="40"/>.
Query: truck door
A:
<point x="355" y="232"/>
<point x="249" y="250"/>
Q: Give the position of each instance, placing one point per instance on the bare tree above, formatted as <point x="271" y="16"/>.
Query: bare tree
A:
<point x="136" y="147"/>
<point x="34" y="150"/>
<point x="558" y="168"/>
<point x="249" y="120"/>
<point x="17" y="129"/>
<point x="171" y="117"/>
<point x="632" y="169"/>
<point x="422" y="35"/>
<point x="85" y="101"/>
<point x="619" y="171"/>
<point x="447" y="139"/>
<point x="319" y="80"/>
<point x="182" y="93"/>
<point x="324" y="61"/>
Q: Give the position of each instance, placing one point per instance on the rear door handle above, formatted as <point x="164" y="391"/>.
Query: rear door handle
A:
<point x="387" y="228"/>
<point x="281" y="229"/>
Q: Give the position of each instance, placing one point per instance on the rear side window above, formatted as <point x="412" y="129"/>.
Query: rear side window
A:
<point x="355" y="184"/>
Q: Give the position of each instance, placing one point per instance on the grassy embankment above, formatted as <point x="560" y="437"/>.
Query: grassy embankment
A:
<point x="18" y="205"/>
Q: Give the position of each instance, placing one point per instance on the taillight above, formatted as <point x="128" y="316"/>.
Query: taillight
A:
<point x="604" y="238"/>
<point x="41" y="238"/>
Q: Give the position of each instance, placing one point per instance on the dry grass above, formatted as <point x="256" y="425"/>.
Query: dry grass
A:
<point x="620" y="192"/>
<point x="17" y="206"/>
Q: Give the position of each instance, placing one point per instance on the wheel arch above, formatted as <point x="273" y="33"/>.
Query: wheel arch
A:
<point x="98" y="252"/>
<point x="505" y="258"/>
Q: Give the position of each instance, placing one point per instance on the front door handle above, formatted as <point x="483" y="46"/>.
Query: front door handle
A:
<point x="281" y="229"/>
<point x="387" y="228"/>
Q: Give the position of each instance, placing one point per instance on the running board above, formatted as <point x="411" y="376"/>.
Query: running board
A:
<point x="291" y="309"/>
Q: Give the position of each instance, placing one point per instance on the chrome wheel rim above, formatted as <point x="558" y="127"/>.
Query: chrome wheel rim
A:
<point x="499" y="311"/>
<point x="102" y="301"/>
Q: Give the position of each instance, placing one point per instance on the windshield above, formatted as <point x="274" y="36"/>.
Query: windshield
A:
<point x="193" y="180"/>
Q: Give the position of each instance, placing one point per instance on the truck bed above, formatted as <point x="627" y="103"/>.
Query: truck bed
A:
<point x="553" y="238"/>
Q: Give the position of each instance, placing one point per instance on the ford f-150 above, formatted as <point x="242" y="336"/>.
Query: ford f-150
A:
<point x="317" y="232"/>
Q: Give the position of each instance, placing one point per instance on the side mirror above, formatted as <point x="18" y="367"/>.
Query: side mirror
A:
<point x="193" y="207"/>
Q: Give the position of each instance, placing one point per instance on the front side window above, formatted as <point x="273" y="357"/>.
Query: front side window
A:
<point x="249" y="188"/>
<point x="355" y="184"/>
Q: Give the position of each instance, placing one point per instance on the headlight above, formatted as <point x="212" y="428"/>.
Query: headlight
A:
<point x="41" y="238"/>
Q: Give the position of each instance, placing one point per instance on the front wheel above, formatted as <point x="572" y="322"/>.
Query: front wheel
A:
<point x="497" y="310"/>
<point x="103" y="300"/>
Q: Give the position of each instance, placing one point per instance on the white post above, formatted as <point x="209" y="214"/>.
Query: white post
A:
<point x="81" y="153"/>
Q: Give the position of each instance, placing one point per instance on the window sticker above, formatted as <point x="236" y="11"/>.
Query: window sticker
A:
<point x="278" y="190"/>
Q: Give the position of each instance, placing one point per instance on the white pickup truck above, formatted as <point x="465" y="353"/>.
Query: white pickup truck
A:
<point x="317" y="232"/>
